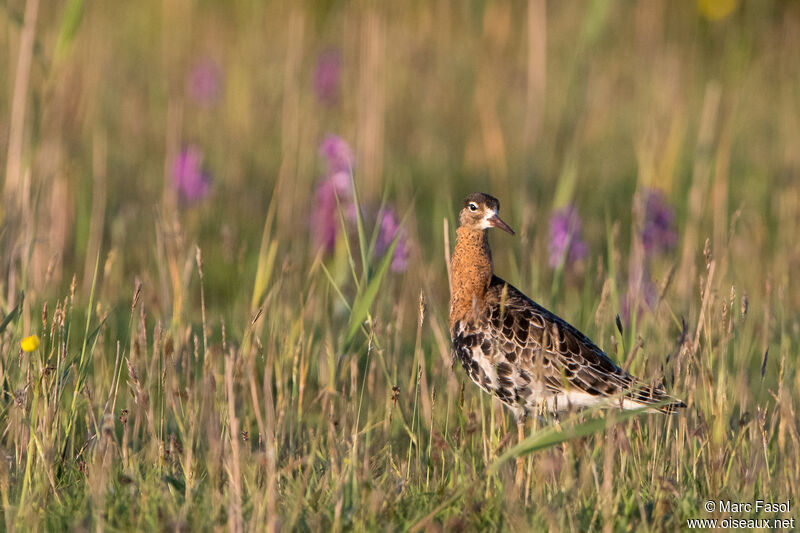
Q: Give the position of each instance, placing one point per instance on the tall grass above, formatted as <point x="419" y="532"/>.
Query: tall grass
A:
<point x="207" y="365"/>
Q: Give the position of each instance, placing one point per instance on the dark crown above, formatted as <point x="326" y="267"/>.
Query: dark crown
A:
<point x="480" y="198"/>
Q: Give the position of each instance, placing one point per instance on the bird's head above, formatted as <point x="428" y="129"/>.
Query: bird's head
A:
<point x="480" y="213"/>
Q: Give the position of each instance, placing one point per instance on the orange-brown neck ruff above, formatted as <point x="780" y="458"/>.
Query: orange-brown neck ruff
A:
<point x="470" y="273"/>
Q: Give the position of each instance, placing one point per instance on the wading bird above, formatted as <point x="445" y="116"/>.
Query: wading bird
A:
<point x="514" y="348"/>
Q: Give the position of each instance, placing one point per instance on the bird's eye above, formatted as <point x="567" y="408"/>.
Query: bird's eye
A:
<point x="473" y="206"/>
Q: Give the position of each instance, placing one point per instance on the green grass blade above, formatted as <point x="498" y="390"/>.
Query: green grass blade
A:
<point x="364" y="300"/>
<point x="82" y="362"/>
<point x="567" y="183"/>
<point x="70" y="22"/>
<point x="350" y="260"/>
<point x="13" y="314"/>
<point x="551" y="436"/>
<point x="266" y="264"/>
<point x="362" y="236"/>
<point x="266" y="258"/>
<point x="335" y="286"/>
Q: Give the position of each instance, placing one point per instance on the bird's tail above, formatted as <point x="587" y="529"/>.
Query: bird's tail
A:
<point x="654" y="395"/>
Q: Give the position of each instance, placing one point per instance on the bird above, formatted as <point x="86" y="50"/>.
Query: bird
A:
<point x="528" y="357"/>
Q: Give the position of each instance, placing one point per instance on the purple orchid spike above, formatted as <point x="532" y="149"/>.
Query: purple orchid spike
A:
<point x="337" y="184"/>
<point x="566" y="245"/>
<point x="658" y="231"/>
<point x="327" y="75"/>
<point x="325" y="224"/>
<point x="188" y="177"/>
<point x="337" y="154"/>
<point x="204" y="84"/>
<point x="389" y="226"/>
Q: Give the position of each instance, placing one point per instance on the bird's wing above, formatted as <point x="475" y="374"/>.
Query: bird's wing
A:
<point x="554" y="353"/>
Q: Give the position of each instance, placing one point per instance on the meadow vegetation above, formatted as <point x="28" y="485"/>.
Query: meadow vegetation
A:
<point x="226" y="224"/>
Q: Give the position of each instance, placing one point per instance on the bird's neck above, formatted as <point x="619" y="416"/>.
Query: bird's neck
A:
<point x="470" y="273"/>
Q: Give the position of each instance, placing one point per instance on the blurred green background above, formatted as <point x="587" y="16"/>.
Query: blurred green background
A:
<point x="436" y="99"/>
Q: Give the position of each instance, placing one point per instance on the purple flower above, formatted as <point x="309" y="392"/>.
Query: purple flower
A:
<point x="188" y="177"/>
<point x="658" y="231"/>
<point x="566" y="245"/>
<point x="327" y="75"/>
<point x="337" y="154"/>
<point x="325" y="223"/>
<point x="389" y="226"/>
<point x="204" y="83"/>
<point x="337" y="183"/>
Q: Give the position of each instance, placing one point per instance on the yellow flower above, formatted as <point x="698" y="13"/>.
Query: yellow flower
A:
<point x="716" y="9"/>
<point x="29" y="344"/>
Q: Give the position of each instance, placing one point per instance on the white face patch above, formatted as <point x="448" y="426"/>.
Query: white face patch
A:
<point x="485" y="224"/>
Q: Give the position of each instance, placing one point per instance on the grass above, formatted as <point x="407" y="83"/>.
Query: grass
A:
<point x="204" y="366"/>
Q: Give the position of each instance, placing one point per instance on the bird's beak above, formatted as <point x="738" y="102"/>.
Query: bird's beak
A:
<point x="496" y="222"/>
